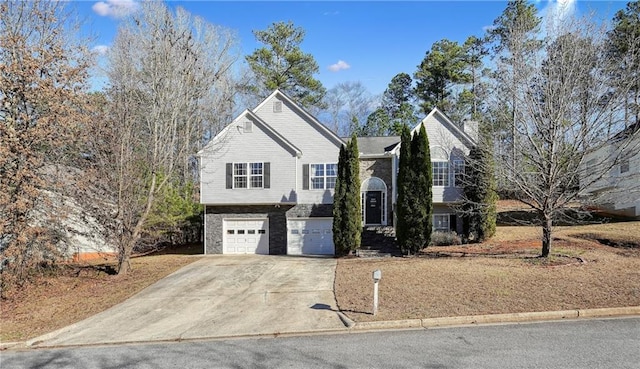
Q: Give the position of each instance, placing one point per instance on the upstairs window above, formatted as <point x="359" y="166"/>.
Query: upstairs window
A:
<point x="323" y="176"/>
<point x="458" y="173"/>
<point x="248" y="175"/>
<point x="255" y="179"/>
<point x="239" y="175"/>
<point x="440" y="171"/>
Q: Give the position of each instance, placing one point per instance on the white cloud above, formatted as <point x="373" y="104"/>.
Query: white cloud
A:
<point x="340" y="65"/>
<point x="115" y="8"/>
<point x="100" y="49"/>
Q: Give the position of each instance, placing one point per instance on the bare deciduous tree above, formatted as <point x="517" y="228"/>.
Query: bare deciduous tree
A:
<point x="348" y="104"/>
<point x="170" y="88"/>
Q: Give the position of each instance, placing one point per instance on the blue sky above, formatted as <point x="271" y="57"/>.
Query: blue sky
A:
<point x="351" y="41"/>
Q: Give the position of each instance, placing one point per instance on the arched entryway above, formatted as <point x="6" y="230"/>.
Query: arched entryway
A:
<point x="374" y="201"/>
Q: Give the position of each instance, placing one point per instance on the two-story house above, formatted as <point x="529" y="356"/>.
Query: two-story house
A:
<point x="610" y="179"/>
<point x="267" y="179"/>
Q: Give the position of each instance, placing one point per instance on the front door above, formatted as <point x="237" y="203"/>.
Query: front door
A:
<point x="373" y="207"/>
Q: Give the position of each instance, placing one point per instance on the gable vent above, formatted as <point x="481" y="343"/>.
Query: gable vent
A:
<point x="248" y="127"/>
<point x="277" y="106"/>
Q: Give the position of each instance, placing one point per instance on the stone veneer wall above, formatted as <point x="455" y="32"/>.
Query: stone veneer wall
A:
<point x="277" y="225"/>
<point x="381" y="168"/>
<point x="277" y="216"/>
<point x="311" y="211"/>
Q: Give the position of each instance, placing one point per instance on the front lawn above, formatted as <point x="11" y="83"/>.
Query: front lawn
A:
<point x="503" y="275"/>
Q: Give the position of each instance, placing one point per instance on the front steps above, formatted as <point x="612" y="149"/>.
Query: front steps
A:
<point x="378" y="241"/>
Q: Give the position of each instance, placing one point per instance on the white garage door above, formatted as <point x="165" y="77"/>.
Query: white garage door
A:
<point x="310" y="237"/>
<point x="246" y="236"/>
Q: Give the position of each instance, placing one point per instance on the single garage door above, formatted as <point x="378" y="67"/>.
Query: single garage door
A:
<point x="246" y="236"/>
<point x="310" y="236"/>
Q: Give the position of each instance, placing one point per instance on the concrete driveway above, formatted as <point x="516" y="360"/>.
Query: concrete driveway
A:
<point x="218" y="296"/>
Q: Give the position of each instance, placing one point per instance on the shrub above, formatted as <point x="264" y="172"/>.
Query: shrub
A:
<point x="440" y="238"/>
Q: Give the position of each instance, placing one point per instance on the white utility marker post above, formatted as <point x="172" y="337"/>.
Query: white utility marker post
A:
<point x="377" y="275"/>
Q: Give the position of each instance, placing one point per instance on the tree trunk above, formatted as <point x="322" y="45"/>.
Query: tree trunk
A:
<point x="124" y="263"/>
<point x="546" y="236"/>
<point x="124" y="258"/>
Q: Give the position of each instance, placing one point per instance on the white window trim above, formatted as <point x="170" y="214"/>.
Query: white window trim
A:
<point x="247" y="176"/>
<point x="446" y="178"/>
<point x="448" y="222"/>
<point x="324" y="176"/>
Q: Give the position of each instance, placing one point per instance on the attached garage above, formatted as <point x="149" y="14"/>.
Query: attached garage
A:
<point x="310" y="236"/>
<point x="245" y="236"/>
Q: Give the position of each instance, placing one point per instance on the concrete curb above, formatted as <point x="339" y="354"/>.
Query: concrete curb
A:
<point x="12" y="345"/>
<point x="359" y="327"/>
<point x="496" y="318"/>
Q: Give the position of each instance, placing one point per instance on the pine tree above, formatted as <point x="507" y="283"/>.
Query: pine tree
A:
<point x="339" y="204"/>
<point x="282" y="64"/>
<point x="404" y="183"/>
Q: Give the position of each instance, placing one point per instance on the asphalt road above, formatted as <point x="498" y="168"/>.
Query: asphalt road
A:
<point x="605" y="343"/>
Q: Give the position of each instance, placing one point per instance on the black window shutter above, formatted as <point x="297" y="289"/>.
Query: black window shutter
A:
<point x="453" y="222"/>
<point x="229" y="175"/>
<point x="266" y="183"/>
<point x="305" y="176"/>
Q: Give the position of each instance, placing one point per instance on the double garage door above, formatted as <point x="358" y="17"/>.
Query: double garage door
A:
<point x="304" y="236"/>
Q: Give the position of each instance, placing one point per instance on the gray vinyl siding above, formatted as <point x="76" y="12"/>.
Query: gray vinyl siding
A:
<point x="316" y="145"/>
<point x="440" y="136"/>
<point x="615" y="192"/>
<point x="257" y="146"/>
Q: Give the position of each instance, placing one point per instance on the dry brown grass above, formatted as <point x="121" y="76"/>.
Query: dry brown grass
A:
<point x="500" y="276"/>
<point x="78" y="291"/>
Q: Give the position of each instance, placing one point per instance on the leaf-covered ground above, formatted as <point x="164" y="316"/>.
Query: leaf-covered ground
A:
<point x="74" y="292"/>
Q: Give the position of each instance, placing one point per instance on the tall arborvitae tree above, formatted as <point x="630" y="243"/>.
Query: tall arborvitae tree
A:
<point x="422" y="196"/>
<point x="347" y="217"/>
<point x="353" y="225"/>
<point x="339" y="204"/>
<point x="404" y="183"/>
<point x="479" y="201"/>
<point x="413" y="226"/>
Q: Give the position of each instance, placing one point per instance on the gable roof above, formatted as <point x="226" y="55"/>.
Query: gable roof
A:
<point x="454" y="128"/>
<point x="376" y="145"/>
<point x="315" y="122"/>
<point x="286" y="144"/>
<point x="449" y="124"/>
